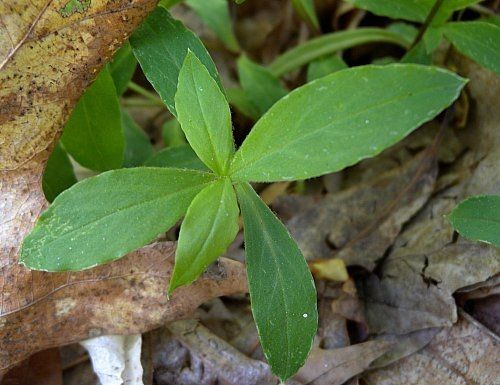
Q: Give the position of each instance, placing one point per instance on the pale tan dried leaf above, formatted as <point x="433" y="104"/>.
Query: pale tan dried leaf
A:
<point x="336" y="366"/>
<point x="404" y="345"/>
<point x="415" y="291"/>
<point x="363" y="221"/>
<point x="466" y="354"/>
<point x="414" y="286"/>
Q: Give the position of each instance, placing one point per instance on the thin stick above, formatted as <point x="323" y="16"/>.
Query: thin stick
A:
<point x="427" y="22"/>
<point x="482" y="9"/>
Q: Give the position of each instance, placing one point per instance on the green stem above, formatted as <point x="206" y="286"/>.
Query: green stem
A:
<point x="427" y="22"/>
<point x="329" y="44"/>
<point x="138" y="102"/>
<point x="147" y="94"/>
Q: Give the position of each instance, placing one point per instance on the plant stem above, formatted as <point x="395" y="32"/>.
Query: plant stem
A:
<point x="138" y="102"/>
<point x="147" y="94"/>
<point x="482" y="9"/>
<point x="329" y="44"/>
<point x="427" y="22"/>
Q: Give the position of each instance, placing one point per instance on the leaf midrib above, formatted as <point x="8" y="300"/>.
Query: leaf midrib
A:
<point x="79" y="229"/>
<point x="476" y="219"/>
<point x="278" y="147"/>
<point x="279" y="274"/>
<point x="201" y="249"/>
<point x="221" y="168"/>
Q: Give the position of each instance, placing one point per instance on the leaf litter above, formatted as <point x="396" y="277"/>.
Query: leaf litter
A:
<point x="400" y="312"/>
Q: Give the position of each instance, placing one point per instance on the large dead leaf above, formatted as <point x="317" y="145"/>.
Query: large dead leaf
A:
<point x="363" y="221"/>
<point x="188" y="353"/>
<point x="414" y="286"/>
<point x="465" y="354"/>
<point x="218" y="362"/>
<point x="50" y="50"/>
<point x="336" y="366"/>
<point x="412" y="296"/>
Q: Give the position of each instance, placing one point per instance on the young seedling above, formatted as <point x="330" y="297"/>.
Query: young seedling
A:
<point x="324" y="126"/>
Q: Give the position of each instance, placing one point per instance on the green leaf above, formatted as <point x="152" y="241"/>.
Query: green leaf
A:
<point x="102" y="218"/>
<point x="384" y="60"/>
<point x="160" y="44"/>
<point x="330" y="44"/>
<point x="478" y="219"/>
<point x="122" y="68"/>
<point x="168" y="3"/>
<point x="478" y="40"/>
<point x="215" y="14"/>
<point x="262" y="87"/>
<point x="325" y="66"/>
<point x="336" y="121"/>
<point x="58" y="175"/>
<point x="305" y="9"/>
<point x="172" y="134"/>
<point x="495" y="20"/>
<point x="418" y="55"/>
<point x="238" y="98"/>
<point x="204" y="115"/>
<point x="282" y="291"/>
<point x="432" y="38"/>
<point x="93" y="134"/>
<point x="138" y="148"/>
<point x="181" y="156"/>
<point x="405" y="30"/>
<point x="414" y="10"/>
<point x="210" y="225"/>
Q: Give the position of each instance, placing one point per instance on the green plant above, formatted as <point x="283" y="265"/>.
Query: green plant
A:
<point x="478" y="219"/>
<point x="337" y="119"/>
<point x="479" y="40"/>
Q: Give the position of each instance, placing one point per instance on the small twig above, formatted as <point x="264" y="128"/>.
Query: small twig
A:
<point x="482" y="9"/>
<point x="147" y="94"/>
<point x="427" y="22"/>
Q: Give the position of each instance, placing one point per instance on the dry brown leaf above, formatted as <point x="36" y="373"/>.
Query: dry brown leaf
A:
<point x="404" y="345"/>
<point x="415" y="290"/>
<point x="334" y="367"/>
<point x="43" y="368"/>
<point x="207" y="360"/>
<point x="363" y="221"/>
<point x="47" y="58"/>
<point x="466" y="354"/>
<point x="332" y="327"/>
<point x="348" y="305"/>
<point x="119" y="298"/>
<point x="414" y="286"/>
